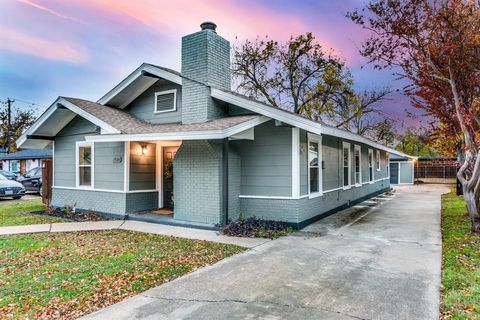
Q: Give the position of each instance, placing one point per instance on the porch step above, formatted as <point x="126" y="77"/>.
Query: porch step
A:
<point x="168" y="220"/>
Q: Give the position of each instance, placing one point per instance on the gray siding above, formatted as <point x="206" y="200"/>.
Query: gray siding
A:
<point x="142" y="167"/>
<point x="303" y="160"/>
<point x="143" y="106"/>
<point x="65" y="153"/>
<point x="332" y="156"/>
<point x="109" y="174"/>
<point x="266" y="161"/>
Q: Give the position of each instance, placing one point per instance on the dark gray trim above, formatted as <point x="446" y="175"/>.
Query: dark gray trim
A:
<point x="39" y="137"/>
<point x="226" y="152"/>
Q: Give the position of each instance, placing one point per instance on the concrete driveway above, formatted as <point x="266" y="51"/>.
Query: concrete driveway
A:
<point x="378" y="260"/>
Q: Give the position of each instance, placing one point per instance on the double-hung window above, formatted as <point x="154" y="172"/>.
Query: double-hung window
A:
<point x="314" y="165"/>
<point x="84" y="164"/>
<point x="377" y="160"/>
<point x="370" y="165"/>
<point x="358" y="165"/>
<point x="347" y="162"/>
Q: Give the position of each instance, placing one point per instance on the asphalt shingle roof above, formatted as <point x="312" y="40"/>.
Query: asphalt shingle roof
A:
<point x="128" y="124"/>
<point x="27" y="154"/>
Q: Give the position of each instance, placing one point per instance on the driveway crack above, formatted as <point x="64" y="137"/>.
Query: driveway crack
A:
<point x="254" y="301"/>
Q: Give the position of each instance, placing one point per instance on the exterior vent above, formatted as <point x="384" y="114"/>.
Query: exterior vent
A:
<point x="166" y="101"/>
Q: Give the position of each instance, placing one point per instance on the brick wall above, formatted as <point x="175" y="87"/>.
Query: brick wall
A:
<point x="205" y="62"/>
<point x="197" y="182"/>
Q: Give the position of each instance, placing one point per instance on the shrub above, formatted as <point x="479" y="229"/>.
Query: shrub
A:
<point x="256" y="228"/>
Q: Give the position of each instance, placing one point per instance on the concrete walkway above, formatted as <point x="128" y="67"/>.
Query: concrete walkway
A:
<point x="188" y="233"/>
<point x="378" y="260"/>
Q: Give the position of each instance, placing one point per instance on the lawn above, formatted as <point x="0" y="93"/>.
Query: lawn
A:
<point x="67" y="275"/>
<point x="13" y="213"/>
<point x="461" y="262"/>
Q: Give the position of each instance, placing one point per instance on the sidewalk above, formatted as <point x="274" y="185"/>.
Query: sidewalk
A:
<point x="188" y="233"/>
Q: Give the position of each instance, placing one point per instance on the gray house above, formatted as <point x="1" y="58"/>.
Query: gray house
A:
<point x="185" y="142"/>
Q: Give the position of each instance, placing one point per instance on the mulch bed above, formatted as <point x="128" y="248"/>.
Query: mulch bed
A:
<point x="78" y="216"/>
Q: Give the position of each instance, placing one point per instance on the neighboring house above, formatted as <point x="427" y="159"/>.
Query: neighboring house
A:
<point x="24" y="160"/>
<point x="185" y="141"/>
<point x="402" y="168"/>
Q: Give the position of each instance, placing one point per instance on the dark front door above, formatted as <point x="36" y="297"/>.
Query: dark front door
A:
<point x="168" y="155"/>
<point x="393" y="173"/>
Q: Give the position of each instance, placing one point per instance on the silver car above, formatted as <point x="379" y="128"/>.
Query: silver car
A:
<point x="10" y="188"/>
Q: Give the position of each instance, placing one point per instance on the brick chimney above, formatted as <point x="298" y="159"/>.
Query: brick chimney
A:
<point x="205" y="63"/>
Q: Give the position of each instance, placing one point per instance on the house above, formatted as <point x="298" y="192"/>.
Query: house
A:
<point x="186" y="142"/>
<point x="402" y="168"/>
<point x="24" y="160"/>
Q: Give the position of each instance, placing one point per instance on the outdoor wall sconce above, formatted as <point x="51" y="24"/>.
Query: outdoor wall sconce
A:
<point x="144" y="149"/>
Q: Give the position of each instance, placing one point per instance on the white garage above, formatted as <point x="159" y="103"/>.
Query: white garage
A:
<point x="402" y="169"/>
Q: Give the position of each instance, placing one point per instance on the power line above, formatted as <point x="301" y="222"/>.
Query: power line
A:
<point x="26" y="102"/>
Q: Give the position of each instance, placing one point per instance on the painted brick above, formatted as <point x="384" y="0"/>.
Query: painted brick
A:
<point x="205" y="63"/>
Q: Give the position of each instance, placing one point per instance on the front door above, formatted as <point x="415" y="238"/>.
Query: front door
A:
<point x="168" y="155"/>
<point x="394" y="173"/>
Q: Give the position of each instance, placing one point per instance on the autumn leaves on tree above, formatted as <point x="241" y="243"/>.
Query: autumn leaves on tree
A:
<point x="435" y="45"/>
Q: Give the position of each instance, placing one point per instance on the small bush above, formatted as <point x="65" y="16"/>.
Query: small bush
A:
<point x="256" y="228"/>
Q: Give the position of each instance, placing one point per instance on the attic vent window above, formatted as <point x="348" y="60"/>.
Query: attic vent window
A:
<point x="165" y="101"/>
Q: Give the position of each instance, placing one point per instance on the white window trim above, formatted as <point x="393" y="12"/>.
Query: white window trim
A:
<point x="77" y="164"/>
<point x="347" y="145"/>
<point x="317" y="139"/>
<point x="359" y="149"/>
<point x="370" y="156"/>
<point x="388" y="164"/>
<point x="160" y="93"/>
<point x="378" y="164"/>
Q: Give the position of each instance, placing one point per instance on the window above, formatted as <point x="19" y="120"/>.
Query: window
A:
<point x="84" y="164"/>
<point x="166" y="101"/>
<point x="314" y="165"/>
<point x="346" y="165"/>
<point x="358" y="165"/>
<point x="377" y="160"/>
<point x="370" y="165"/>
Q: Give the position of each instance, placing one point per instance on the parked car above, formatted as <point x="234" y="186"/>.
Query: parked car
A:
<point x="9" y="175"/>
<point x="10" y="188"/>
<point x="32" y="180"/>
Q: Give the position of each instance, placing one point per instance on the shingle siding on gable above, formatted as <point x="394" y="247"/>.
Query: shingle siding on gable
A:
<point x="205" y="61"/>
<point x="143" y="107"/>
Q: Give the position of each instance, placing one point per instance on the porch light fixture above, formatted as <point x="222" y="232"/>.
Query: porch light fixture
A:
<point x="144" y="149"/>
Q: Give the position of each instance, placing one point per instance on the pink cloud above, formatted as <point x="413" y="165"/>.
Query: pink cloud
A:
<point x="48" y="10"/>
<point x="16" y="41"/>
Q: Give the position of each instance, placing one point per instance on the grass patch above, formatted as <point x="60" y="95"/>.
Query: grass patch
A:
<point x="15" y="213"/>
<point x="461" y="262"/>
<point x="67" y="275"/>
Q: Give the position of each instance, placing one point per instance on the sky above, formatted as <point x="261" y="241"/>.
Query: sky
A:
<point x="83" y="48"/>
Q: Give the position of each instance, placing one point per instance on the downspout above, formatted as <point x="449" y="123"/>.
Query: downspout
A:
<point x="225" y="180"/>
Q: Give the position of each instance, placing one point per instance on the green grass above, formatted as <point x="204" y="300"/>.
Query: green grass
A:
<point x="14" y="213"/>
<point x="67" y="275"/>
<point x="461" y="262"/>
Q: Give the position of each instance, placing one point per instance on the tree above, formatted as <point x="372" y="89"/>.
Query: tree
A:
<point x="21" y="120"/>
<point x="297" y="75"/>
<point x="384" y="132"/>
<point x="436" y="45"/>
<point x="301" y="77"/>
<point x="414" y="144"/>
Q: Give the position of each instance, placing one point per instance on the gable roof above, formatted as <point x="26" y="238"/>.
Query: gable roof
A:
<point x="27" y="154"/>
<point x="136" y="83"/>
<point x="119" y="125"/>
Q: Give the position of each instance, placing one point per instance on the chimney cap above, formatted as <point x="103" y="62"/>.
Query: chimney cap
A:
<point x="208" y="25"/>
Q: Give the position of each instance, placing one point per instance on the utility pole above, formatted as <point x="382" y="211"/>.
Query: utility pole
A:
<point x="9" y="122"/>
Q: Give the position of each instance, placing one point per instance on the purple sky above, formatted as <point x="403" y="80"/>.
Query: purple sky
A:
<point x="82" y="48"/>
